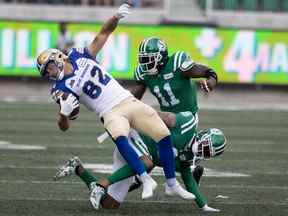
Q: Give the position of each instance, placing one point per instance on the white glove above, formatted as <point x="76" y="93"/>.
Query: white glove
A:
<point x="206" y="208"/>
<point x="68" y="105"/>
<point x="123" y="10"/>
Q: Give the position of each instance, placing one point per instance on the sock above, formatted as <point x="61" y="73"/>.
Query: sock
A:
<point x="130" y="155"/>
<point x="171" y="181"/>
<point x="167" y="158"/>
<point x="87" y="177"/>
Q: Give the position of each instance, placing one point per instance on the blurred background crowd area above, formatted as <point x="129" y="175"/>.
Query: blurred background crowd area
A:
<point x="137" y="3"/>
<point x="249" y="5"/>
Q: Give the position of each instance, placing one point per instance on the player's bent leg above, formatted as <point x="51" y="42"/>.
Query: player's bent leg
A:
<point x="118" y="127"/>
<point x="125" y="171"/>
<point x="197" y="173"/>
<point x="68" y="168"/>
<point x="151" y="124"/>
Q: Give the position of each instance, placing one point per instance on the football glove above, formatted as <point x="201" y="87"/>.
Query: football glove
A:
<point x="206" y="208"/>
<point x="68" y="105"/>
<point x="123" y="10"/>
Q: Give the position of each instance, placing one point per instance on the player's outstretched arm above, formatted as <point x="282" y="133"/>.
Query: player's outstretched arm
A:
<point x="108" y="27"/>
<point x="202" y="71"/>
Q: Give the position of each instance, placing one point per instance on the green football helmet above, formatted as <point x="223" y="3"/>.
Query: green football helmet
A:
<point x="210" y="143"/>
<point x="152" y="53"/>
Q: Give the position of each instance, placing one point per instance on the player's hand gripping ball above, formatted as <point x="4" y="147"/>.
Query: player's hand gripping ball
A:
<point x="69" y="104"/>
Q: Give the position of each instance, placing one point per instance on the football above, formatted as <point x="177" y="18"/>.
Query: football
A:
<point x="75" y="113"/>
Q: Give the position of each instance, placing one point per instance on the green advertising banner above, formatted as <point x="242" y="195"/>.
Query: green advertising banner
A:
<point x="238" y="56"/>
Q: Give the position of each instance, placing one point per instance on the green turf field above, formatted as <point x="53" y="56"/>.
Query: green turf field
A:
<point x="257" y="147"/>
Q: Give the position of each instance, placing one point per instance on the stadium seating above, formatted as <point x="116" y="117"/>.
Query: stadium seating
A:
<point x="248" y="5"/>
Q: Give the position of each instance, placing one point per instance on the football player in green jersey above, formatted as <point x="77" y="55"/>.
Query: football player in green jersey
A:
<point x="190" y="148"/>
<point x="169" y="77"/>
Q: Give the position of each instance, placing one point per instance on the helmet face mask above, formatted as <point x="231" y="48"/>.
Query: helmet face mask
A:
<point x="50" y="64"/>
<point x="152" y="52"/>
<point x="205" y="149"/>
<point x="210" y="143"/>
<point x="149" y="61"/>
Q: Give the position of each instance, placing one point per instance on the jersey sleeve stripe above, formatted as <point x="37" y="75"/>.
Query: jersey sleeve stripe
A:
<point x="180" y="59"/>
<point x="188" y="128"/>
<point x="175" y="61"/>
<point x="188" y="123"/>
<point x="187" y="68"/>
<point x="138" y="75"/>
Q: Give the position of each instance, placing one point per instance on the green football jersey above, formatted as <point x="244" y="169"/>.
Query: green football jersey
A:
<point x="182" y="134"/>
<point x="173" y="92"/>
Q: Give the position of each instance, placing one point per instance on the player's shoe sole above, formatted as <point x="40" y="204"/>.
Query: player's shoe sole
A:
<point x="68" y="168"/>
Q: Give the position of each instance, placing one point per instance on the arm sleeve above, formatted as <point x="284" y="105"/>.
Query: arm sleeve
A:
<point x="191" y="185"/>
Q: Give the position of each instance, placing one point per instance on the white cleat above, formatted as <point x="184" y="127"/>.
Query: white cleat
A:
<point x="97" y="192"/>
<point x="178" y="190"/>
<point x="68" y="168"/>
<point x="149" y="185"/>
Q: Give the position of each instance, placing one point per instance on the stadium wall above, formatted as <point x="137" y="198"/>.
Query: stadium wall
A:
<point x="238" y="56"/>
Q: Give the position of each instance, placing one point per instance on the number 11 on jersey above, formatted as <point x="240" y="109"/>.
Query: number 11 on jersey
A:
<point x="172" y="99"/>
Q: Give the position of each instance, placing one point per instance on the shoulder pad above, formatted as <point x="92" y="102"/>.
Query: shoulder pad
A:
<point x="182" y="61"/>
<point x="80" y="52"/>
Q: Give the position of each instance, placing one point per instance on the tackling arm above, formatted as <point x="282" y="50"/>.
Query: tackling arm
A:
<point x="108" y="27"/>
<point x="202" y="71"/>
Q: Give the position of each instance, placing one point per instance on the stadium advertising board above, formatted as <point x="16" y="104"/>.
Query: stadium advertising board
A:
<point x="238" y="56"/>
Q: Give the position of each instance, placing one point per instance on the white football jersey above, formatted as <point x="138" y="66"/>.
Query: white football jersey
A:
<point x="91" y="84"/>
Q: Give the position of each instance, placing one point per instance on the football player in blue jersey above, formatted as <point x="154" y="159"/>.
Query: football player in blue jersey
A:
<point x="80" y="78"/>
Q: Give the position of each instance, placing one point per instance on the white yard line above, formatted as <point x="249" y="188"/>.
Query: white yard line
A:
<point x="261" y="187"/>
<point x="142" y="201"/>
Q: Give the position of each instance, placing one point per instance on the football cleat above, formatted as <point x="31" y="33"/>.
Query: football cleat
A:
<point x="135" y="185"/>
<point x="149" y="185"/>
<point x="97" y="192"/>
<point x="177" y="189"/>
<point x="197" y="173"/>
<point x="68" y="168"/>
